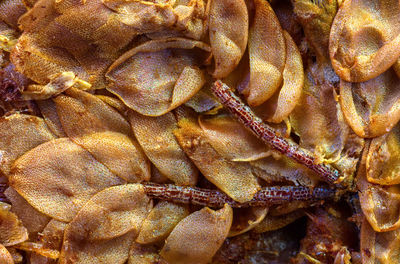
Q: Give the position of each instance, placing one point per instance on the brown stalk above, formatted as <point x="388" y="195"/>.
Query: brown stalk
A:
<point x="267" y="134"/>
<point x="213" y="198"/>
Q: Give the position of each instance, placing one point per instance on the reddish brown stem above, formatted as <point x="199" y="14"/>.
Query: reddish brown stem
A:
<point x="216" y="199"/>
<point x="266" y="133"/>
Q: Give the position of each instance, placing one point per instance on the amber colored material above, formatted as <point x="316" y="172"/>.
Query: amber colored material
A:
<point x="372" y="108"/>
<point x="33" y="220"/>
<point x="60" y="172"/>
<point x="172" y="161"/>
<point x="267" y="54"/>
<point x="364" y="39"/>
<point x="203" y="232"/>
<point x="5" y="256"/>
<point x="236" y="179"/>
<point x="383" y="159"/>
<point x="285" y="99"/>
<point x="106" y="226"/>
<point x="161" y="220"/>
<point x="171" y="66"/>
<point x="378" y="247"/>
<point x="12" y="231"/>
<point x="199" y="131"/>
<point x="228" y="22"/>
<point x="247" y="219"/>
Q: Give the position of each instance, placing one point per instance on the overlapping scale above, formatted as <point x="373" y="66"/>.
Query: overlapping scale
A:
<point x="103" y="230"/>
<point x="228" y="30"/>
<point x="364" y="39"/>
<point x="162" y="148"/>
<point x="267" y="54"/>
<point x="59" y="177"/>
<point x="198" y="236"/>
<point x="159" y="75"/>
<point x="234" y="178"/>
<point x="372" y="108"/>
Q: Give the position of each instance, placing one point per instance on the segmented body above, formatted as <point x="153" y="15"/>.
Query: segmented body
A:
<point x="266" y="133"/>
<point x="214" y="198"/>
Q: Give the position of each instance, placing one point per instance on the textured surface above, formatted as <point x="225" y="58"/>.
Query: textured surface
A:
<point x="121" y="143"/>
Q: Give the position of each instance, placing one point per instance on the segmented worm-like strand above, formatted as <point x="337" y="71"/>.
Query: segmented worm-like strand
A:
<point x="216" y="199"/>
<point x="266" y="133"/>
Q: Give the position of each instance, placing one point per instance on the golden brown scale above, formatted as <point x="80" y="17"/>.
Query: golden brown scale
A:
<point x="129" y="93"/>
